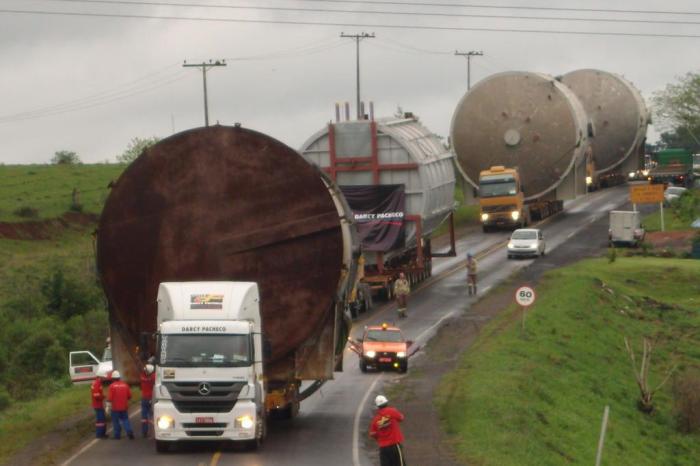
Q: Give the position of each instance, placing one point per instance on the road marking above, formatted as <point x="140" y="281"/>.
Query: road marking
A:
<point x="570" y="235"/>
<point x="93" y="442"/>
<point x="215" y="459"/>
<point x="356" y="424"/>
<point x="486" y="289"/>
<point x="447" y="316"/>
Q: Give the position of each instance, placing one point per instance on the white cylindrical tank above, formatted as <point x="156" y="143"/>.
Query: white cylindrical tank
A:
<point x="407" y="153"/>
<point x="528" y="121"/>
<point x="618" y="114"/>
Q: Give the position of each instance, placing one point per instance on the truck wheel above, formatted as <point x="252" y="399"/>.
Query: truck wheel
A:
<point x="403" y="367"/>
<point x="485" y="229"/>
<point x="363" y="366"/>
<point x="162" y="447"/>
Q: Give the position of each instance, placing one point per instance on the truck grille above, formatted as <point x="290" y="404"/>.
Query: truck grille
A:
<point x="386" y="354"/>
<point x="211" y="425"/>
<point x="204" y="433"/>
<point x="188" y="397"/>
<point x="490" y="209"/>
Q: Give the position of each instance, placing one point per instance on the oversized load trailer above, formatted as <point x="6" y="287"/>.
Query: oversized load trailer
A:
<point x="619" y="120"/>
<point x="399" y="181"/>
<point x="521" y="140"/>
<point x="231" y="204"/>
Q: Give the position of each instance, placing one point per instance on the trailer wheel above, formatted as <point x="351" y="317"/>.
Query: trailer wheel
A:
<point x="363" y="366"/>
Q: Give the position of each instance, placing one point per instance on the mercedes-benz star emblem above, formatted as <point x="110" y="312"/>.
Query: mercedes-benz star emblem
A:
<point x="204" y="389"/>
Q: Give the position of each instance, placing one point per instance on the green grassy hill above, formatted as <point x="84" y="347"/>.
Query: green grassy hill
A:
<point x="45" y="191"/>
<point x="537" y="398"/>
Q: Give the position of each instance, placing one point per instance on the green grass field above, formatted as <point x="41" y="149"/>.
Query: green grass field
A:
<point x="678" y="216"/>
<point x="537" y="398"/>
<point x="49" y="188"/>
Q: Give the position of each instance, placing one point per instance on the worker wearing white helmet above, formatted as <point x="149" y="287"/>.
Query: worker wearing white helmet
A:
<point x="385" y="430"/>
<point x="148" y="380"/>
<point x="119" y="396"/>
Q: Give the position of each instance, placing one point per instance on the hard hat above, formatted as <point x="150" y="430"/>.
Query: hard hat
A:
<point x="380" y="401"/>
<point x="149" y="368"/>
<point x="116" y="375"/>
<point x="469" y="254"/>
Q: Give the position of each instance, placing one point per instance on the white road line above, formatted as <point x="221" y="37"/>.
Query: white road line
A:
<point x="356" y="426"/>
<point x="570" y="235"/>
<point x="426" y="331"/>
<point x="486" y="289"/>
<point x="93" y="442"/>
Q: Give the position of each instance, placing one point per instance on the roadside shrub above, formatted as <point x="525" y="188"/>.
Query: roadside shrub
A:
<point x="686" y="397"/>
<point x="26" y="212"/>
<point x="66" y="296"/>
<point x="5" y="399"/>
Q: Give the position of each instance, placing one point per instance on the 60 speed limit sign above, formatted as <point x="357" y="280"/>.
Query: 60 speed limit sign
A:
<point x="525" y="296"/>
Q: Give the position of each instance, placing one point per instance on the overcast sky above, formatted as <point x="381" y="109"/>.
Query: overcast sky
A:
<point x="90" y="84"/>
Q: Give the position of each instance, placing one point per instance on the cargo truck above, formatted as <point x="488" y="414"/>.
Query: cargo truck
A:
<point x="674" y="166"/>
<point x="210" y="382"/>
<point x="521" y="140"/>
<point x="230" y="204"/>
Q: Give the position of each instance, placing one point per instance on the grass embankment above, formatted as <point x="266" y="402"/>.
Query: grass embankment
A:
<point x="678" y="216"/>
<point x="538" y="398"/>
<point x="465" y="214"/>
<point x="46" y="191"/>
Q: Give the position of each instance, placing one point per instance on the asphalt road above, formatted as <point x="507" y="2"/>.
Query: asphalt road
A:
<point x="332" y="424"/>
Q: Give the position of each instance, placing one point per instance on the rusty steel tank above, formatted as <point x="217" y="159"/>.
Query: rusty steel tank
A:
<point x="228" y="203"/>
<point x="618" y="114"/>
<point x="528" y="121"/>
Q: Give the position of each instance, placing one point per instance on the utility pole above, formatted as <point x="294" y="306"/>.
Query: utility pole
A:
<point x="468" y="56"/>
<point x="358" y="38"/>
<point x="205" y="67"/>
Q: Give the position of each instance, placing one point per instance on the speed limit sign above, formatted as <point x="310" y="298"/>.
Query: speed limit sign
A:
<point x="525" y="296"/>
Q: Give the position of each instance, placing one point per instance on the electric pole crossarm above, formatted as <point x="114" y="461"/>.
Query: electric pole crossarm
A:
<point x="468" y="56"/>
<point x="205" y="67"/>
<point x="358" y="38"/>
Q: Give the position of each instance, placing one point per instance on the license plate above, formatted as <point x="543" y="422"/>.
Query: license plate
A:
<point x="204" y="420"/>
<point x="384" y="359"/>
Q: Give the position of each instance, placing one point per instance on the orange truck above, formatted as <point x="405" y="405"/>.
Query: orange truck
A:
<point x="382" y="347"/>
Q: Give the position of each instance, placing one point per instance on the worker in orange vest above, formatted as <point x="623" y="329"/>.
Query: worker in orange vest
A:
<point x="119" y="395"/>
<point x="148" y="380"/>
<point x="98" y="397"/>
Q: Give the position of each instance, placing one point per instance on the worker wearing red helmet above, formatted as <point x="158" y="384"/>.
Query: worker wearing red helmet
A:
<point x="385" y="430"/>
<point x="119" y="394"/>
<point x="148" y="380"/>
<point x="98" y="397"/>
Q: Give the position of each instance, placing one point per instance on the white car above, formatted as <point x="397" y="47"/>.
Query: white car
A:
<point x="526" y="242"/>
<point x="672" y="193"/>
<point x="83" y="366"/>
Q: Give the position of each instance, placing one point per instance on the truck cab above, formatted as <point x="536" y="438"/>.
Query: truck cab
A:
<point x="501" y="198"/>
<point x="382" y="347"/>
<point x="209" y="373"/>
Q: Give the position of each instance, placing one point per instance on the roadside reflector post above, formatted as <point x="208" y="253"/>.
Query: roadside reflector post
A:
<point x="601" y="440"/>
<point x="661" y="204"/>
<point x="524" y="296"/>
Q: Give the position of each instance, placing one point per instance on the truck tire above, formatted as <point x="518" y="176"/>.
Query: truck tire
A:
<point x="363" y="366"/>
<point x="163" y="447"/>
<point x="485" y="229"/>
<point x="403" y="367"/>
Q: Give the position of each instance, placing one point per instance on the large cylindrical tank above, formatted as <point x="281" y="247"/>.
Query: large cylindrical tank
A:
<point x="523" y="120"/>
<point x="227" y="203"/>
<point x="617" y="111"/>
<point x="390" y="151"/>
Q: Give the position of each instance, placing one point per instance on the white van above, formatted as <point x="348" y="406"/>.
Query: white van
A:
<point x="625" y="228"/>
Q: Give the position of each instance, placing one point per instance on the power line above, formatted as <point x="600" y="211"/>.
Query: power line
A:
<point x="505" y="7"/>
<point x="349" y="24"/>
<point x="380" y="12"/>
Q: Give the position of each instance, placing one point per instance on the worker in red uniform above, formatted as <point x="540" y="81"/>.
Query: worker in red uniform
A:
<point x="98" y="405"/>
<point x="148" y="379"/>
<point x="119" y="395"/>
<point x="385" y="430"/>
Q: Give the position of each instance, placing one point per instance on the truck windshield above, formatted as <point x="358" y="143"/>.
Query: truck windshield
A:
<point x="183" y="350"/>
<point x="497" y="185"/>
<point x="383" y="335"/>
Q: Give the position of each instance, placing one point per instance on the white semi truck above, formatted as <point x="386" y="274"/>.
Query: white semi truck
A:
<point x="209" y="364"/>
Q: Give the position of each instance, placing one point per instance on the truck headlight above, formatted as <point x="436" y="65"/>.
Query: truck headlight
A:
<point x="632" y="174"/>
<point x="165" y="423"/>
<point x="515" y="215"/>
<point x="371" y="354"/>
<point x="511" y="245"/>
<point x="401" y="354"/>
<point x="245" y="421"/>
<point x="484" y="217"/>
<point x="589" y="180"/>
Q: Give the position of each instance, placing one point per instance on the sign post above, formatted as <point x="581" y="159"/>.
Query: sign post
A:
<point x="648" y="194"/>
<point x="525" y="297"/>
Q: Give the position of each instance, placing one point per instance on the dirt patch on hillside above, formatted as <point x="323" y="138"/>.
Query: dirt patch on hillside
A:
<point x="676" y="240"/>
<point x="47" y="229"/>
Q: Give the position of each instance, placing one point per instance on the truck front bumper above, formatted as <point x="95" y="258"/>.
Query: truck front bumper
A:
<point x="203" y="425"/>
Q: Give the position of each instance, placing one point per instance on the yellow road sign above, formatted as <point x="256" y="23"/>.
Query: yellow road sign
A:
<point x="646" y="193"/>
